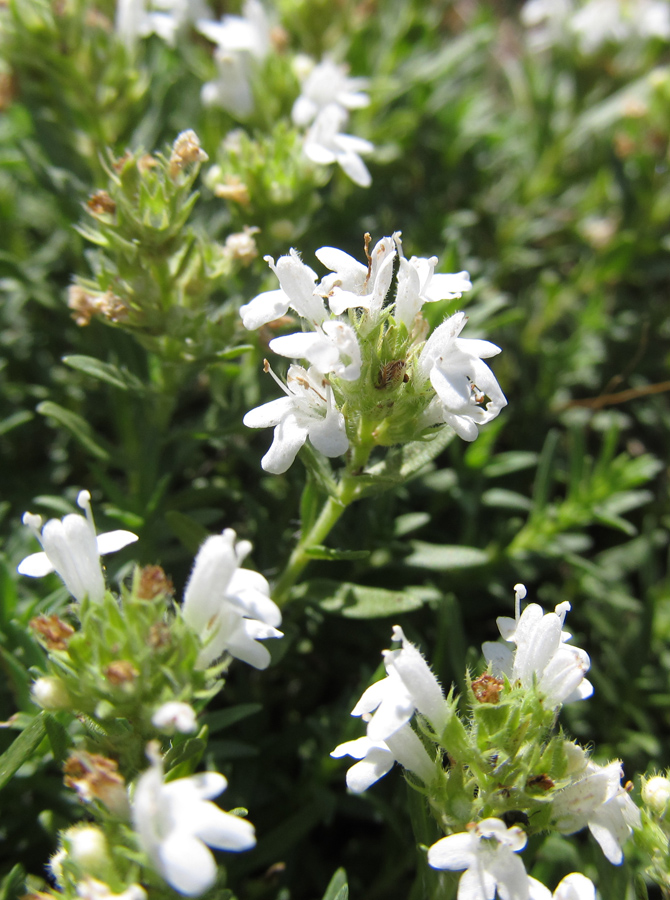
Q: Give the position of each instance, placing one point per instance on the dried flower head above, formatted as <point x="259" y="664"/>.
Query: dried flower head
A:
<point x="96" y="777"/>
<point x="121" y="671"/>
<point x="487" y="688"/>
<point x="53" y="632"/>
<point x="241" y="246"/>
<point x="233" y="189"/>
<point x="153" y="583"/>
<point x="186" y="150"/>
<point x="100" y="203"/>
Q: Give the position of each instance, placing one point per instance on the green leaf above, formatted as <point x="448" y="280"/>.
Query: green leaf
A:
<point x="13" y="421"/>
<point x="499" y="498"/>
<point x="22" y="749"/>
<point x="320" y="469"/>
<point x="182" y="760"/>
<point x="103" y="372"/>
<point x="404" y="463"/>
<point x="58" y="738"/>
<point x="224" y="718"/>
<point x="233" y="352"/>
<point x="444" y="557"/>
<point x="337" y="889"/>
<point x="76" y="426"/>
<point x="189" y="532"/>
<point x="506" y="463"/>
<point x="13" y="883"/>
<point x="318" y="551"/>
<point x="357" y="601"/>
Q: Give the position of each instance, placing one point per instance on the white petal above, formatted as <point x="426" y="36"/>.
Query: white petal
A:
<point x="269" y="414"/>
<point x="454" y="852"/>
<point x="213" y="568"/>
<point x="187" y="864"/>
<point x="329" y="435"/>
<point x="537" y="891"/>
<point x="248" y="592"/>
<point x="264" y="308"/>
<point x="445" y="286"/>
<point x="409" y="751"/>
<point x="289" y="436"/>
<point x="422" y="684"/>
<point x="222" y="830"/>
<point x="575" y="887"/>
<point x="36" y="565"/>
<point x="358" y="748"/>
<point x="353" y="166"/>
<point x="111" y="541"/>
<point x="499" y="657"/>
<point x="364" y="773"/>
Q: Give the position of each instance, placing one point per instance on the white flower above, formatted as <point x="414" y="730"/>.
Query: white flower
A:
<point x="50" y="693"/>
<point x="542" y="658"/>
<point x="242" y="43"/>
<point x="597" y="799"/>
<point x="137" y="19"/>
<point x="175" y="716"/>
<point x="354" y="285"/>
<point x="326" y="144"/>
<point x="229" y="607"/>
<point x="418" y="284"/>
<point x="297" y="291"/>
<point x="409" y="685"/>
<point x="308" y="410"/>
<point x="572" y="887"/>
<point x="327" y="82"/>
<point x="175" y="821"/>
<point x="460" y="378"/>
<point x="333" y="347"/>
<point x="487" y="853"/>
<point x="72" y="550"/>
<point x="656" y="793"/>
<point x="91" y="889"/>
<point x="377" y="758"/>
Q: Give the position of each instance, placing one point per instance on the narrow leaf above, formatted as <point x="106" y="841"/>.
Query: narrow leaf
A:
<point x="75" y="425"/>
<point x="22" y="749"/>
<point x="338" y="888"/>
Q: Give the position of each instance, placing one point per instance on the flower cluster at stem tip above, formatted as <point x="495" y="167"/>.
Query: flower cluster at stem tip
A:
<point x="373" y="376"/>
<point x="450" y="761"/>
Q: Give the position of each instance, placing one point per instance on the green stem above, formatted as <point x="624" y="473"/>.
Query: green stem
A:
<point x="333" y="508"/>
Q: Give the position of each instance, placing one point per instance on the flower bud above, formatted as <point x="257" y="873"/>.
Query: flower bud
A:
<point x="50" y="693"/>
<point x="656" y="794"/>
<point x="87" y="847"/>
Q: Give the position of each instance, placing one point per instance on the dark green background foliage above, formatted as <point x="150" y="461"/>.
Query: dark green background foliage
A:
<point x="543" y="174"/>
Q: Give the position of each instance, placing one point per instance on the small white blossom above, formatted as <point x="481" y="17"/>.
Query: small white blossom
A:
<point x="91" y="889"/>
<point x="297" y="291"/>
<point x="242" y="43"/>
<point x="409" y="686"/>
<point x="353" y="285"/>
<point x="597" y="799"/>
<point x="50" y="693"/>
<point x="377" y="758"/>
<point x="572" y="887"/>
<point x="307" y="411"/>
<point x="175" y="716"/>
<point x="72" y="550"/>
<point x="333" y="347"/>
<point x="326" y="83"/>
<point x="461" y="379"/>
<point x="228" y="606"/>
<point x="488" y="854"/>
<point x="326" y="144"/>
<point x="418" y="284"/>
<point x="175" y="822"/>
<point x="656" y="793"/>
<point x="541" y="658"/>
<point x="137" y="19"/>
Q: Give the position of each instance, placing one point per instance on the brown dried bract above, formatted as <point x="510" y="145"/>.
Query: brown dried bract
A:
<point x="487" y="688"/>
<point x="153" y="582"/>
<point x="540" y="782"/>
<point x="54" y="632"/>
<point x="100" y="203"/>
<point x="159" y="636"/>
<point x="121" y="671"/>
<point x="96" y="777"/>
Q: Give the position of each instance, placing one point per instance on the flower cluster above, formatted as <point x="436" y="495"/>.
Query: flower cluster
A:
<point x="372" y="374"/>
<point x="506" y="756"/>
